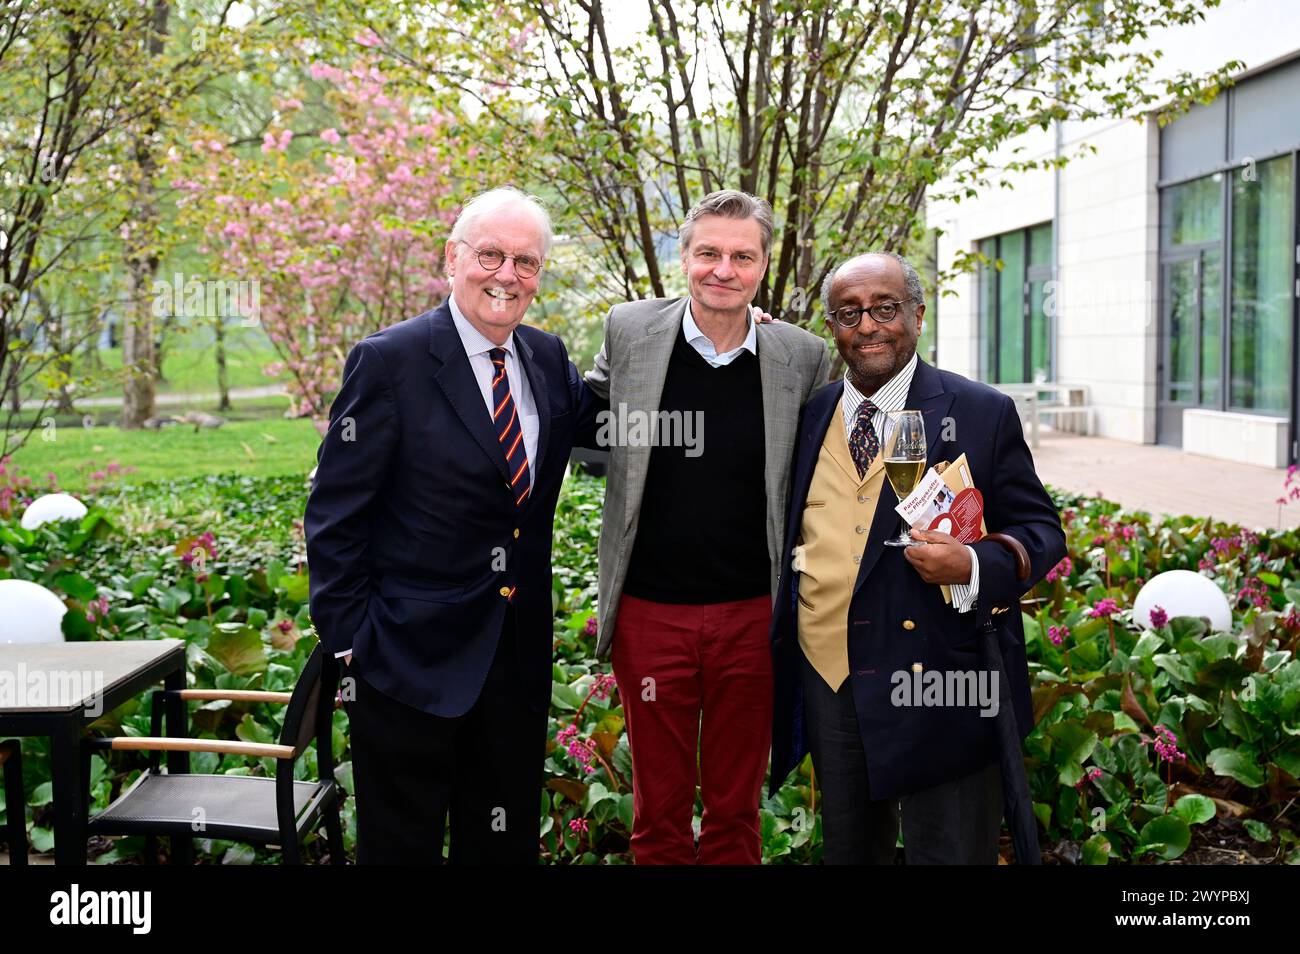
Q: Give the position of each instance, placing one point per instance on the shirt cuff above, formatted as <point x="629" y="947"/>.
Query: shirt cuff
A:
<point x="345" y="652"/>
<point x="964" y="594"/>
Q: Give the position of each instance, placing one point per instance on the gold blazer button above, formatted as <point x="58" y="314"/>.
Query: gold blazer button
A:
<point x="504" y="591"/>
<point x="908" y="624"/>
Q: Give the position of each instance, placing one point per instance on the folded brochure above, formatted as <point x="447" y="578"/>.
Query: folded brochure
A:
<point x="947" y="502"/>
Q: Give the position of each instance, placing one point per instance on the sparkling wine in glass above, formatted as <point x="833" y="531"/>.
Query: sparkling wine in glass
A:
<point x="905" y="454"/>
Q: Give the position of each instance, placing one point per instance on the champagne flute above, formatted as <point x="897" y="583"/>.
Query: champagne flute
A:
<point x="905" y="454"/>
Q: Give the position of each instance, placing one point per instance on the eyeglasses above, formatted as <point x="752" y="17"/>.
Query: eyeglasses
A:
<point x="492" y="258"/>
<point x="850" y="316"/>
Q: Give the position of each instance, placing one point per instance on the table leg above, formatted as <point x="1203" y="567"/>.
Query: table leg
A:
<point x="69" y="800"/>
<point x="178" y="763"/>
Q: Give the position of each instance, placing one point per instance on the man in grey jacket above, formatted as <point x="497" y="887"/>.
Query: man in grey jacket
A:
<point x="704" y="404"/>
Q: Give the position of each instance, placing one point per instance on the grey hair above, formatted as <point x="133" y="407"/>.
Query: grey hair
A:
<point x="494" y="200"/>
<point x="910" y="278"/>
<point x="732" y="204"/>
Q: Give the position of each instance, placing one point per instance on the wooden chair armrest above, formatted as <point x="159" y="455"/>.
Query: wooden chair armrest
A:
<point x="147" y="743"/>
<point x="237" y="695"/>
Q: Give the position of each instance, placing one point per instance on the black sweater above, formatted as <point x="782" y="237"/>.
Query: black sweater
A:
<point x="702" y="532"/>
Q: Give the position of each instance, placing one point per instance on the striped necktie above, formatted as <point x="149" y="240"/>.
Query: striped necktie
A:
<point x="863" y="442"/>
<point x="510" y="433"/>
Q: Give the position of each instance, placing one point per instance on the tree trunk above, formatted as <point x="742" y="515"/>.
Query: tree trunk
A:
<point x="139" y="362"/>
<point x="223" y="379"/>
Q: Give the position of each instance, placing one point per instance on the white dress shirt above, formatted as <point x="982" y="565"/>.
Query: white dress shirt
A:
<point x="703" y="346"/>
<point x="892" y="396"/>
<point x="476" y="348"/>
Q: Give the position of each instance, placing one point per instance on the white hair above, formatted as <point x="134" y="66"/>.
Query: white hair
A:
<point x="494" y="200"/>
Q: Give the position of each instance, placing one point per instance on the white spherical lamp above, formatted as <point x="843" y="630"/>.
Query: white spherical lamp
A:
<point x="29" y="613"/>
<point x="1183" y="593"/>
<point x="52" y="507"/>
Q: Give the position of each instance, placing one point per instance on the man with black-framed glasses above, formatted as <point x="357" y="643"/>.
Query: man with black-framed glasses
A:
<point x="859" y="620"/>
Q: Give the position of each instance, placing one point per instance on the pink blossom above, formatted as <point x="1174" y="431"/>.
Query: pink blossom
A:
<point x="603" y="686"/>
<point x="1062" y="570"/>
<point x="1088" y="776"/>
<point x="590" y="628"/>
<point x="1104" y="609"/>
<point x="1058" y="634"/>
<point x="1158" y="617"/>
<point x="331" y="136"/>
<point x="578" y="825"/>
<point x="1166" y="745"/>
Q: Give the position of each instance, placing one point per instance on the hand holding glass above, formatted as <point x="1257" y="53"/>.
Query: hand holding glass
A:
<point x="905" y="454"/>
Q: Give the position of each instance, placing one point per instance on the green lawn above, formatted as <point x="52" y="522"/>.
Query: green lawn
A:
<point x="190" y="363"/>
<point x="260" y="448"/>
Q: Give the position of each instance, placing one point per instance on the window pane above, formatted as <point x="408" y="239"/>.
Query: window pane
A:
<point x="1038" y="330"/>
<point x="1180" y="296"/>
<point x="988" y="294"/>
<point x="1211" y="325"/>
<point x="1011" y="312"/>
<point x="1261" y="288"/>
<point x="1040" y="244"/>
<point x="1192" y="212"/>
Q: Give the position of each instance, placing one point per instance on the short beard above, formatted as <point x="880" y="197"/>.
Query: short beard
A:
<point x="860" y="378"/>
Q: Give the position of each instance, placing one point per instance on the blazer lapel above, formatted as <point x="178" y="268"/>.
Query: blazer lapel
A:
<point x="780" y="419"/>
<point x="817" y="417"/>
<point x="647" y="371"/>
<point x="928" y="396"/>
<point x="456" y="378"/>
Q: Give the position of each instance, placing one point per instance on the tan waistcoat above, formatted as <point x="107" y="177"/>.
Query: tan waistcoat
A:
<point x="833" y="535"/>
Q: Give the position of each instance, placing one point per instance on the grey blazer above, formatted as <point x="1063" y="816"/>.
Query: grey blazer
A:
<point x="630" y="370"/>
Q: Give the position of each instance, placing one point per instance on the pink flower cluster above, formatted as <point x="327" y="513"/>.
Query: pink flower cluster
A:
<point x="1058" y="634"/>
<point x="1104" y="609"/>
<point x="1289" y="493"/>
<point x="1088" y="776"/>
<point x="578" y="825"/>
<point x="1158" y="616"/>
<point x="1166" y="745"/>
<point x="97" y="609"/>
<point x="604" y="685"/>
<point x="582" y="751"/>
<point x="205" y="541"/>
<point x="590" y="628"/>
<point x="1061" y="571"/>
<point x="1255" y="592"/>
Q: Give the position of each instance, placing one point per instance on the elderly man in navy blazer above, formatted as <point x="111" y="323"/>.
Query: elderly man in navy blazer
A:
<point x="429" y="531"/>
<point x="856" y="621"/>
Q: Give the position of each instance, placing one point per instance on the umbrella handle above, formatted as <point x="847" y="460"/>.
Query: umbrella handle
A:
<point x="1017" y="550"/>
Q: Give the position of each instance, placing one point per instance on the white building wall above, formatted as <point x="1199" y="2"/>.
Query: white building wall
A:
<point x="1107" y="298"/>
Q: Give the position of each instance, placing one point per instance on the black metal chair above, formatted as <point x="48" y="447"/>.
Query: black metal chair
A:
<point x="243" y="808"/>
<point x="11" y="757"/>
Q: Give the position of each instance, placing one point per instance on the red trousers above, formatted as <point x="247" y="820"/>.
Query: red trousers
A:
<point x="696" y="679"/>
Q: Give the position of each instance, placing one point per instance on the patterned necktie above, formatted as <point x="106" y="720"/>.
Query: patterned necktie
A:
<point x="863" y="443"/>
<point x="510" y="434"/>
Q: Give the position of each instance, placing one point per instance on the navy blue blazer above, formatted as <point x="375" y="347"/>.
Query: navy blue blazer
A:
<point x="913" y="748"/>
<point x="412" y="531"/>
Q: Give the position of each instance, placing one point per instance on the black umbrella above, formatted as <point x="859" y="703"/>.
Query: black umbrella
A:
<point x="1017" y="806"/>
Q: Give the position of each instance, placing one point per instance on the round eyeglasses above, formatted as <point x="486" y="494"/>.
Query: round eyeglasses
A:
<point x="850" y="316"/>
<point x="490" y="259"/>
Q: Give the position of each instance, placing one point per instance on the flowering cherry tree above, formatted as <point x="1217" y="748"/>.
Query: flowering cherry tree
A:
<point x="343" y="236"/>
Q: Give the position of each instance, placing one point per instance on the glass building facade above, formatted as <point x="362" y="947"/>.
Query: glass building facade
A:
<point x="1228" y="254"/>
